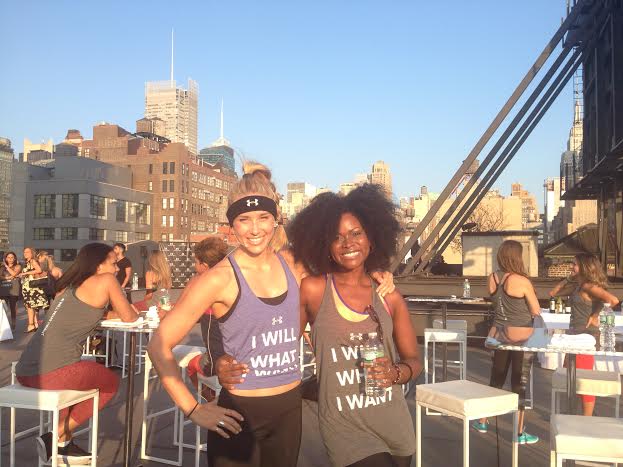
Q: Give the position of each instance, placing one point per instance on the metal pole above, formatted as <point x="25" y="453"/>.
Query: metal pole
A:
<point x="507" y="155"/>
<point x="444" y="346"/>
<point x="502" y="114"/>
<point x="129" y="403"/>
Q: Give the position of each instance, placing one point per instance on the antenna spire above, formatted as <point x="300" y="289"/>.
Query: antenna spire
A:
<point x="172" y="49"/>
<point x="222" y="129"/>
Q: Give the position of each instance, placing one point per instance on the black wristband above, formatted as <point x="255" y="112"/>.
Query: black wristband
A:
<point x="191" y="412"/>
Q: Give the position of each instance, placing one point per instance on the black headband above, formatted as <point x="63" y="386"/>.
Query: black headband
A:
<point x="251" y="203"/>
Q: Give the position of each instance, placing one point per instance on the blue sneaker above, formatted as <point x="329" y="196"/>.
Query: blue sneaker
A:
<point x="480" y="427"/>
<point x="527" y="438"/>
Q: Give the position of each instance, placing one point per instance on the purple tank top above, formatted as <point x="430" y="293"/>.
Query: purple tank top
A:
<point x="265" y="337"/>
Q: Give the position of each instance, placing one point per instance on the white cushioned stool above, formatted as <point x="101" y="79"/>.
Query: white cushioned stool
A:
<point x="468" y="401"/>
<point x="183" y="355"/>
<point x="588" y="382"/>
<point x="16" y="396"/>
<point x="576" y="437"/>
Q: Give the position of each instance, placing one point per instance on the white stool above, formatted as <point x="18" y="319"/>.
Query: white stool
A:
<point x="16" y="396"/>
<point x="212" y="383"/>
<point x="448" y="336"/>
<point x="468" y="401"/>
<point x="452" y="324"/>
<point x="306" y="350"/>
<point x="588" y="382"/>
<point x="576" y="437"/>
<point x="183" y="355"/>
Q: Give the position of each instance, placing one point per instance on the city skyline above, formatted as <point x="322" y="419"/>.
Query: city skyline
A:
<point x="358" y="94"/>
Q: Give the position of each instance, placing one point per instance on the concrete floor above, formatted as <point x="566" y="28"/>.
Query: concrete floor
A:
<point x="442" y="436"/>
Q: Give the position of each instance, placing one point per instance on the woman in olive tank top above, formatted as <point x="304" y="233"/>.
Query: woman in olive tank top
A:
<point x="341" y="239"/>
<point x="586" y="288"/>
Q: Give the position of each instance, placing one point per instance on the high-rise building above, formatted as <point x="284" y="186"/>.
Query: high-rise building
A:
<point x="552" y="204"/>
<point x="177" y="107"/>
<point x="220" y="151"/>
<point x="382" y="176"/>
<point x="529" y="207"/>
<point x="298" y="197"/>
<point x="6" y="179"/>
<point x="39" y="150"/>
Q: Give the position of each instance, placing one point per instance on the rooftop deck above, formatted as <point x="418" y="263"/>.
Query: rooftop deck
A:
<point x="442" y="438"/>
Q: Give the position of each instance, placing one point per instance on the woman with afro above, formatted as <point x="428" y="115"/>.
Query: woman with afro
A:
<point x="340" y="239"/>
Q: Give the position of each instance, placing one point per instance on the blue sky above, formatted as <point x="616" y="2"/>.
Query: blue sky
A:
<point x="316" y="90"/>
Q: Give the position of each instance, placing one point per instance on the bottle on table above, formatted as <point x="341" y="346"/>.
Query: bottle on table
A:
<point x="552" y="305"/>
<point x="559" y="305"/>
<point x="467" y="289"/>
<point x="371" y="350"/>
<point x="164" y="300"/>
<point x="135" y="281"/>
<point x="606" y="328"/>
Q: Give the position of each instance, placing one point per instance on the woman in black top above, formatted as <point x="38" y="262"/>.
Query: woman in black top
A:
<point x="11" y="270"/>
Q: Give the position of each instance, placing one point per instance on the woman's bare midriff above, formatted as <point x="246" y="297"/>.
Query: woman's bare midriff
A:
<point x="265" y="391"/>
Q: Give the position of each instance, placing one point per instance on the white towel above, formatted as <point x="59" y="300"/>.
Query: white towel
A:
<point x="117" y="323"/>
<point x="573" y="341"/>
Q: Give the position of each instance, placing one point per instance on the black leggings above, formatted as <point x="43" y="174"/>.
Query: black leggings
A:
<point x="520" y="375"/>
<point x="12" y="301"/>
<point x="383" y="459"/>
<point x="270" y="436"/>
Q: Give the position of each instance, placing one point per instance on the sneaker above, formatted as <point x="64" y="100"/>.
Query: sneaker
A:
<point x="44" y="447"/>
<point x="73" y="454"/>
<point x="480" y="427"/>
<point x="527" y="438"/>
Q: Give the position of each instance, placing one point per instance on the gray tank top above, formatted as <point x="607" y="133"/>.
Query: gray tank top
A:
<point x="509" y="310"/>
<point x="59" y="341"/>
<point x="581" y="311"/>
<point x="354" y="426"/>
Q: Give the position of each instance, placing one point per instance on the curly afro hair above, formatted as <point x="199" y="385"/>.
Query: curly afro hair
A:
<point x="313" y="230"/>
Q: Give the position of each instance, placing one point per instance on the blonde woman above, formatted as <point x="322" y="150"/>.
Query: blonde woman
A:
<point x="34" y="297"/>
<point x="157" y="277"/>
<point x="515" y="304"/>
<point x="587" y="292"/>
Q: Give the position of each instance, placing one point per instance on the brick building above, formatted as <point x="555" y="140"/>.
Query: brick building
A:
<point x="190" y="195"/>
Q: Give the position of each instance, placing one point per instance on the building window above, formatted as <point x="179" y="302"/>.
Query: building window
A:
<point x="163" y="237"/>
<point x="122" y="209"/>
<point x="96" y="234"/>
<point x="45" y="206"/>
<point x="70" y="205"/>
<point x="165" y="166"/>
<point x="121" y="236"/>
<point x="98" y="207"/>
<point x="171" y="220"/>
<point x="171" y="203"/>
<point x="164" y="186"/>
<point x="141" y="236"/>
<point x="170" y="237"/>
<point x="164" y="221"/>
<point x="142" y="214"/>
<point x="172" y="168"/>
<point x="43" y="233"/>
<point x="151" y="169"/>
<point x="150" y="186"/>
<point x="69" y="233"/>
<point x="172" y="186"/>
<point x="164" y="203"/>
<point x="68" y="254"/>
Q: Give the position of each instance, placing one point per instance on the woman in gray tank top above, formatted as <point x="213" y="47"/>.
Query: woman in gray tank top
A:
<point x="586" y="288"/>
<point x="341" y="239"/>
<point x="515" y="304"/>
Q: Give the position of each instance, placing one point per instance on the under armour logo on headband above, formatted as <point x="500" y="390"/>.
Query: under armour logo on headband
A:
<point x="249" y="204"/>
<point x="253" y="202"/>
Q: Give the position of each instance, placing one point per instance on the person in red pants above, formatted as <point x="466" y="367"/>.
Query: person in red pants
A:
<point x="587" y="291"/>
<point x="51" y="360"/>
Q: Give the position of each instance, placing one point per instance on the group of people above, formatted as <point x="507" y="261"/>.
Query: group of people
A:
<point x="516" y="306"/>
<point x="253" y="303"/>
<point x="34" y="281"/>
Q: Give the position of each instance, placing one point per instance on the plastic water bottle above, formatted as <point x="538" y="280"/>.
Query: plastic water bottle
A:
<point x="606" y="328"/>
<point x="467" y="289"/>
<point x="135" y="281"/>
<point x="165" y="300"/>
<point x="372" y="349"/>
